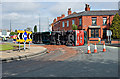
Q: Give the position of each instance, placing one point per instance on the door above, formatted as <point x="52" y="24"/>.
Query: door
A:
<point x="104" y="33"/>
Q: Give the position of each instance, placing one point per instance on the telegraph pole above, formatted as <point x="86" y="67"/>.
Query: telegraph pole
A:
<point x="39" y="22"/>
<point x="48" y="24"/>
<point x="10" y="25"/>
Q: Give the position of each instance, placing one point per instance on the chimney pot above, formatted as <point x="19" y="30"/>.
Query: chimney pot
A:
<point x="62" y="16"/>
<point x="58" y="18"/>
<point x="69" y="11"/>
<point x="54" y="20"/>
<point x="87" y="7"/>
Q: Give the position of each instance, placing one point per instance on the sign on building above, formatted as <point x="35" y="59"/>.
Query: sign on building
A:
<point x="109" y="32"/>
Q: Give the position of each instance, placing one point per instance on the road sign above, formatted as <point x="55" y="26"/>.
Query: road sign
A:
<point x="109" y="32"/>
<point x="20" y="36"/>
<point x="25" y="36"/>
<point x="29" y="36"/>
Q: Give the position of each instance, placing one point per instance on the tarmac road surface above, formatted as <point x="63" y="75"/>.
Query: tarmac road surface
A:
<point x="101" y="64"/>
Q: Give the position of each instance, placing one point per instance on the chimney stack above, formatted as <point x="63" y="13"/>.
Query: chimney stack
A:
<point x="87" y="7"/>
<point x="58" y="18"/>
<point x="54" y="20"/>
<point x="62" y="16"/>
<point x="69" y="11"/>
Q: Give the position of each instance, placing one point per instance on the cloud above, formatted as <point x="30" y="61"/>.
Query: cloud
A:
<point x="119" y="5"/>
<point x="22" y="15"/>
<point x="21" y="7"/>
<point x="21" y="22"/>
<point x="0" y="16"/>
<point x="26" y="14"/>
<point x="62" y="7"/>
<point x="60" y="0"/>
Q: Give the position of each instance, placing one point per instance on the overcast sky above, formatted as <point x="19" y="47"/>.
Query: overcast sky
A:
<point x="26" y="14"/>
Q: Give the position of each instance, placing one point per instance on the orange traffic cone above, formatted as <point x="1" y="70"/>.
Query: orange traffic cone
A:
<point x="89" y="49"/>
<point x="104" y="49"/>
<point x="95" y="50"/>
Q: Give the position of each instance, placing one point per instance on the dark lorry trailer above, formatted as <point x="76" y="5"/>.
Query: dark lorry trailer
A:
<point x="70" y="38"/>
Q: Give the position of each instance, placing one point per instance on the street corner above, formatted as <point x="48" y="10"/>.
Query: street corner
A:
<point x="17" y="54"/>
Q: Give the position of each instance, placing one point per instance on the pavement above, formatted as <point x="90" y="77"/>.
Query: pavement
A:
<point x="16" y="55"/>
<point x="108" y="44"/>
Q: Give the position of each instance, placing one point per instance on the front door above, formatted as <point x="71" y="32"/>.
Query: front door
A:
<point x="104" y="33"/>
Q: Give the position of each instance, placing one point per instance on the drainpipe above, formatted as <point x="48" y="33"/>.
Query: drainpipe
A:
<point x="109" y="27"/>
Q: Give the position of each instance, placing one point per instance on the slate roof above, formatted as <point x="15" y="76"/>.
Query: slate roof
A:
<point x="93" y="13"/>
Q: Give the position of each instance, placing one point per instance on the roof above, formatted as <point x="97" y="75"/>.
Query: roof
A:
<point x="93" y="13"/>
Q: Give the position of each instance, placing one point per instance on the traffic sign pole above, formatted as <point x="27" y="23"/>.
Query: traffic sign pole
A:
<point x="29" y="45"/>
<point x="24" y="46"/>
<point x="110" y="39"/>
<point x="19" y="46"/>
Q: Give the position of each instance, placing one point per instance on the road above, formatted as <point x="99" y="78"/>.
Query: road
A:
<point x="54" y="64"/>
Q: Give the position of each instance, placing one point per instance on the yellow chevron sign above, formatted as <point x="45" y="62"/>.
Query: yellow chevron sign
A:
<point x="20" y="36"/>
<point x="29" y="36"/>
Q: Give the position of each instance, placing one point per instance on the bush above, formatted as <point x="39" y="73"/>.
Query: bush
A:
<point x="74" y="27"/>
<point x="115" y="27"/>
<point x="13" y="33"/>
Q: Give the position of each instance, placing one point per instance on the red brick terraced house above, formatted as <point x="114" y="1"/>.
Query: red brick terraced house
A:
<point x="94" y="22"/>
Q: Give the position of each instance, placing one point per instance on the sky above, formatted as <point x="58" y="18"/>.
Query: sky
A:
<point x="26" y="14"/>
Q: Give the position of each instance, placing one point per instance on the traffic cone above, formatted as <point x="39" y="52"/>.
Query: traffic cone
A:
<point x="104" y="49"/>
<point x="95" y="50"/>
<point x="89" y="49"/>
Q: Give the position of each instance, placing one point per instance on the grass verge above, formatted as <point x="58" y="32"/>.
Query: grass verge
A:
<point x="8" y="46"/>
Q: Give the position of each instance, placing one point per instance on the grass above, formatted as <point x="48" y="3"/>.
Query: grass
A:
<point x="8" y="46"/>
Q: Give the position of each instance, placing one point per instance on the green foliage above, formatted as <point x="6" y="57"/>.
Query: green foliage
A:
<point x="35" y="28"/>
<point x="8" y="46"/>
<point x="74" y="27"/>
<point x="13" y="33"/>
<point x="16" y="30"/>
<point x="115" y="27"/>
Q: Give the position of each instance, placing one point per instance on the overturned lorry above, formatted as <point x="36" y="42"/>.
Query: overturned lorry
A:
<point x="70" y="38"/>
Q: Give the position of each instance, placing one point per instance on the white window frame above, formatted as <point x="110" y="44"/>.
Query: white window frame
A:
<point x="67" y="23"/>
<point x="104" y="18"/>
<point x="80" y="21"/>
<point x="73" y="21"/>
<point x="63" y="24"/>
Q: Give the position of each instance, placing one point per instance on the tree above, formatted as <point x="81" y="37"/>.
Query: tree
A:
<point x="28" y="29"/>
<point x="13" y="33"/>
<point x="35" y="28"/>
<point x="15" y="30"/>
<point x="74" y="27"/>
<point x="115" y="27"/>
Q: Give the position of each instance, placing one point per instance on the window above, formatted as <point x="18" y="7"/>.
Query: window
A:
<point x="94" y="33"/>
<point x="63" y="24"/>
<point x="67" y="23"/>
<point x="73" y="22"/>
<point x="80" y="21"/>
<point x="104" y="20"/>
<point x="94" y="20"/>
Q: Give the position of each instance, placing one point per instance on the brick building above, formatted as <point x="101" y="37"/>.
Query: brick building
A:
<point x="94" y="22"/>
